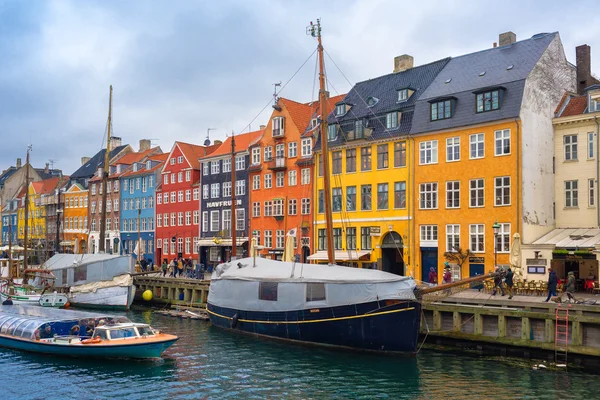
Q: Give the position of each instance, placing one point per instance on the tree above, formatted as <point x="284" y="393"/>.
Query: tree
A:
<point x="458" y="256"/>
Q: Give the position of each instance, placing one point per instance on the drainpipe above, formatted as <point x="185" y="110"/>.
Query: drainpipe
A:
<point x="597" y="168"/>
<point x="519" y="178"/>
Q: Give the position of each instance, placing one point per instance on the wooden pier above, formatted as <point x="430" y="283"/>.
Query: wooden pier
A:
<point x="172" y="291"/>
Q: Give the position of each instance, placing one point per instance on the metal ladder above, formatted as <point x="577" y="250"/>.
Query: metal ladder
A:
<point x="561" y="336"/>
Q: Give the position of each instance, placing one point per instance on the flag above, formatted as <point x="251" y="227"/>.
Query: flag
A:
<point x="137" y="248"/>
<point x="292" y="232"/>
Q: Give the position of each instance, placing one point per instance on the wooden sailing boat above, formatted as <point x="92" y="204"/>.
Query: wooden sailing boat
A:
<point x="331" y="305"/>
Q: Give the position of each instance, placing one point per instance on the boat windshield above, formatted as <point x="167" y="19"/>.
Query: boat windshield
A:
<point x="145" y="330"/>
<point x="122" y="333"/>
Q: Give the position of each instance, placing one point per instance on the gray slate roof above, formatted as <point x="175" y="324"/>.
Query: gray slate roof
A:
<point x="464" y="72"/>
<point x="89" y="168"/>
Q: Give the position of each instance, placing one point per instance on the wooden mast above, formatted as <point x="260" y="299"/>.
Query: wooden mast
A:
<point x="105" y="172"/>
<point x="233" y="222"/>
<point x="323" y="96"/>
<point x="26" y="216"/>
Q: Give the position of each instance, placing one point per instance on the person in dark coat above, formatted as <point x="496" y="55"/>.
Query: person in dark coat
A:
<point x="552" y="283"/>
<point x="143" y="264"/>
<point x="509" y="282"/>
<point x="432" y="276"/>
<point x="498" y="282"/>
<point x="570" y="289"/>
<point x="8" y="301"/>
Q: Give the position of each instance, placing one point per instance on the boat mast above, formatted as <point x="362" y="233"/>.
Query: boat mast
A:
<point x="26" y="236"/>
<point x="233" y="222"/>
<point x="315" y="31"/>
<point x="105" y="172"/>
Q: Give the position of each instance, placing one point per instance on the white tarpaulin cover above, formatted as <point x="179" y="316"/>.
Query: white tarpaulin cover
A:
<point x="238" y="288"/>
<point x="71" y="269"/>
<point x="121" y="280"/>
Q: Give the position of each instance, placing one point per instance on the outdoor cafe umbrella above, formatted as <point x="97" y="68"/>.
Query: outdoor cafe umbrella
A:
<point x="515" y="256"/>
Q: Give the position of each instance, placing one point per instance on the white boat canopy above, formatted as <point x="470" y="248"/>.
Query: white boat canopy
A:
<point x="571" y="238"/>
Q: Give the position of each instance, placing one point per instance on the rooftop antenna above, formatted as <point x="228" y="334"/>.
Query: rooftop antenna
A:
<point x="51" y="162"/>
<point x="207" y="141"/>
<point x="275" y="86"/>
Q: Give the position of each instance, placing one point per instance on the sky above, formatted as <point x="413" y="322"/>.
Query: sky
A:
<point x="181" y="67"/>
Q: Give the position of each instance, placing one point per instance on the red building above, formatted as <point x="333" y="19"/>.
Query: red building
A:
<point x="178" y="202"/>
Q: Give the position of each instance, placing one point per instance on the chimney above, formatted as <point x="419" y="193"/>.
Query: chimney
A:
<point x="507" y="38"/>
<point x="144" y="144"/>
<point x="114" y="142"/>
<point x="18" y="163"/>
<point x="495" y="44"/>
<point x="84" y="160"/>
<point x="217" y="142"/>
<point x="262" y="127"/>
<point x="583" y="56"/>
<point x="403" y="62"/>
<point x="47" y="168"/>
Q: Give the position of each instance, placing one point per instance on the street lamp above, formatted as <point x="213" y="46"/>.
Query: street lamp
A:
<point x="496" y="228"/>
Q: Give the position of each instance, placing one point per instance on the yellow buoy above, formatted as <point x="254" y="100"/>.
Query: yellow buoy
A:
<point x="147" y="295"/>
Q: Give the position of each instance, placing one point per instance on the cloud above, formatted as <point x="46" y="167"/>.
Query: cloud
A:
<point x="181" y="67"/>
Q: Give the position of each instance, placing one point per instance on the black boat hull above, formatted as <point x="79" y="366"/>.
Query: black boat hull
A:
<point x="382" y="326"/>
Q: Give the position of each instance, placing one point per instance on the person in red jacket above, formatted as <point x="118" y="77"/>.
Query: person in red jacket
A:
<point x="432" y="276"/>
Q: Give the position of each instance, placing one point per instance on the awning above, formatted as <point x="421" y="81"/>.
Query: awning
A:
<point x="67" y="243"/>
<point x="570" y="238"/>
<point x="340" y="255"/>
<point x="222" y="242"/>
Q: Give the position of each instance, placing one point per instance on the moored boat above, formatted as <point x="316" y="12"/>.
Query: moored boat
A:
<point x="79" y="334"/>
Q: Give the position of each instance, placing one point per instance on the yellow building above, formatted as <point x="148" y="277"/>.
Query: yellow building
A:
<point x="36" y="215"/>
<point x="75" y="220"/>
<point x="370" y="180"/>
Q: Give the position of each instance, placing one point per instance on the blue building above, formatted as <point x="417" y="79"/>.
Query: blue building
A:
<point x="215" y="202"/>
<point x="10" y="222"/>
<point x="137" y="211"/>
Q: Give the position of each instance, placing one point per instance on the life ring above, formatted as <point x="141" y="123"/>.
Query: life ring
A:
<point x="234" y="321"/>
<point x="92" y="340"/>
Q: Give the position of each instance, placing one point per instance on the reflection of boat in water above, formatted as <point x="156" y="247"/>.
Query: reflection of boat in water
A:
<point x="95" y="280"/>
<point x="79" y="334"/>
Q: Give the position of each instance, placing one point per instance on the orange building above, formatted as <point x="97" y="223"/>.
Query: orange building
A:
<point x="75" y="220"/>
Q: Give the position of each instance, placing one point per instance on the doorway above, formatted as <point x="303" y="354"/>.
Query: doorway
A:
<point x="392" y="249"/>
<point x="305" y="254"/>
<point x="476" y="270"/>
<point x="429" y="259"/>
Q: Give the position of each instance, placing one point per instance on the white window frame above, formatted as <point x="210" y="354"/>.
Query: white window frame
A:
<point x="591" y="193"/>
<point x="226" y="165"/>
<point x="240" y="219"/>
<point x="215" y="167"/>
<point x="278" y="125"/>
<point x="256" y="209"/>
<point x="452" y="193"/>
<point x="503" y="238"/>
<point x="256" y="155"/>
<point x="205" y="191"/>
<point x="214" y="190"/>
<point x="305" y="179"/>
<point x="502" y="136"/>
<point x="305" y="206"/>
<point x="571" y="194"/>
<point x="477" y="238"/>
<point x="428" y="152"/>
<point x="452" y="144"/>
<point x="268" y="181"/>
<point x="268" y="156"/>
<point x="306" y="150"/>
<point x="279" y="179"/>
<point x="214" y="221"/>
<point x="591" y="140"/>
<point x="452" y="237"/>
<point x="256" y="182"/>
<point x="292" y="178"/>
<point x="292" y="149"/>
<point x="429" y="233"/>
<point x="292" y="207"/>
<point x="570" y="147"/>
<point x="392" y="120"/>
<point x="502" y="185"/>
<point x="205" y="221"/>
<point x="476" y="144"/>
<point x="431" y="189"/>
<point x="477" y="192"/>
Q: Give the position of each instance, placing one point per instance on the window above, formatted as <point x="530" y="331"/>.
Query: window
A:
<point x="502" y="139"/>
<point x="365" y="238"/>
<point x="227" y="165"/>
<point x="116" y="204"/>
<point x="268" y="208"/>
<point x="591" y="146"/>
<point x="292" y="207"/>
<point x="306" y="147"/>
<point x="188" y="217"/>
<point x="204" y="221"/>
<point x="205" y="167"/>
<point x="350" y="160"/>
<point x="428" y="152"/>
<point x="488" y="101"/>
<point x="166" y="219"/>
<point x="570" y="143"/>
<point x="305" y="206"/>
<point x="428" y="195"/>
<point x="453" y="194"/>
<point x="402" y="95"/>
<point x="256" y="155"/>
<point x="320" y="161"/>
<point x="292" y="149"/>
<point x="305" y="176"/>
<point x="351" y="238"/>
<point x="267" y="291"/>
<point x="180" y="160"/>
<point x="365" y="158"/>
<point x="321" y="240"/>
<point x="502" y="191"/>
<point x="351" y="198"/>
<point x="477" y="236"/>
<point x="279" y="239"/>
<point x="391" y="120"/>
<point x="331" y="132"/>
<point x="359" y="129"/>
<point x="172" y="179"/>
<point x="205" y="191"/>
<point x="240" y="219"/>
<point x="188" y="195"/>
<point x="279" y="178"/>
<point x="94" y="189"/>
<point x="400" y="194"/>
<point x="452" y="238"/>
<point x="321" y="206"/>
<point x="214" y="221"/>
<point x="571" y="196"/>
<point x="382" y="196"/>
<point x="240" y="163"/>
<point x="476" y="141"/>
<point x="400" y="154"/>
<point x="240" y="188"/>
<point x="476" y="191"/>
<point x="336" y="203"/>
<point x="277" y="126"/>
<point x="503" y="239"/>
<point x="256" y="182"/>
<point x="268" y="181"/>
<point x="180" y="219"/>
<point x="365" y="197"/>
<point x="278" y="207"/>
<point x="158" y="220"/>
<point x="591" y="193"/>
<point x="340" y="109"/>
<point x="268" y="239"/>
<point x="315" y="292"/>
<point x="196" y="194"/>
<point x="214" y="167"/>
<point x="214" y="190"/>
<point x="226" y="223"/>
<point x="268" y="153"/>
<point x="337" y="238"/>
<point x="165" y="199"/>
<point x="180" y="196"/>
<point x="165" y="179"/>
<point x="382" y="156"/>
<point x="441" y="110"/>
<point x="336" y="158"/>
<point x="292" y="178"/>
<point x="158" y="201"/>
<point x="429" y="233"/>
<point x="125" y="184"/>
<point x="453" y="149"/>
<point x="180" y="177"/>
<point x="280" y="151"/>
<point x="227" y="189"/>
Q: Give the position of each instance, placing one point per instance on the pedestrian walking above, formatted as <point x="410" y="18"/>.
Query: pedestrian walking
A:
<point x="570" y="288"/>
<point x="552" y="283"/>
<point x="165" y="267"/>
<point x="432" y="276"/>
<point x="498" y="283"/>
<point x="509" y="283"/>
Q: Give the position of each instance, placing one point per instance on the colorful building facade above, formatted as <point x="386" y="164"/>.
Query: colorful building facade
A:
<point x="75" y="223"/>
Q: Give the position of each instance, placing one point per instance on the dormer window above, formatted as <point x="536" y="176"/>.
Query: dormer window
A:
<point x="331" y="132"/>
<point x="148" y="164"/>
<point x="402" y="95"/>
<point x="441" y="109"/>
<point x="135" y="167"/>
<point x="340" y="109"/>
<point x="391" y="120"/>
<point x="314" y="122"/>
<point x="488" y="101"/>
<point x="371" y="101"/>
<point x="594" y="102"/>
<point x="359" y="129"/>
<point x="278" y="126"/>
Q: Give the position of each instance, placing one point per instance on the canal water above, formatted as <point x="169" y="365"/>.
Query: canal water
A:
<point x="209" y="363"/>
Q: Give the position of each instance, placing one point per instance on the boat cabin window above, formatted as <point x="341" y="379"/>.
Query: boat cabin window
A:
<point x="145" y="331"/>
<point x="80" y="274"/>
<point x="315" y="291"/>
<point x="267" y="291"/>
<point x="122" y="333"/>
<point x="101" y="333"/>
